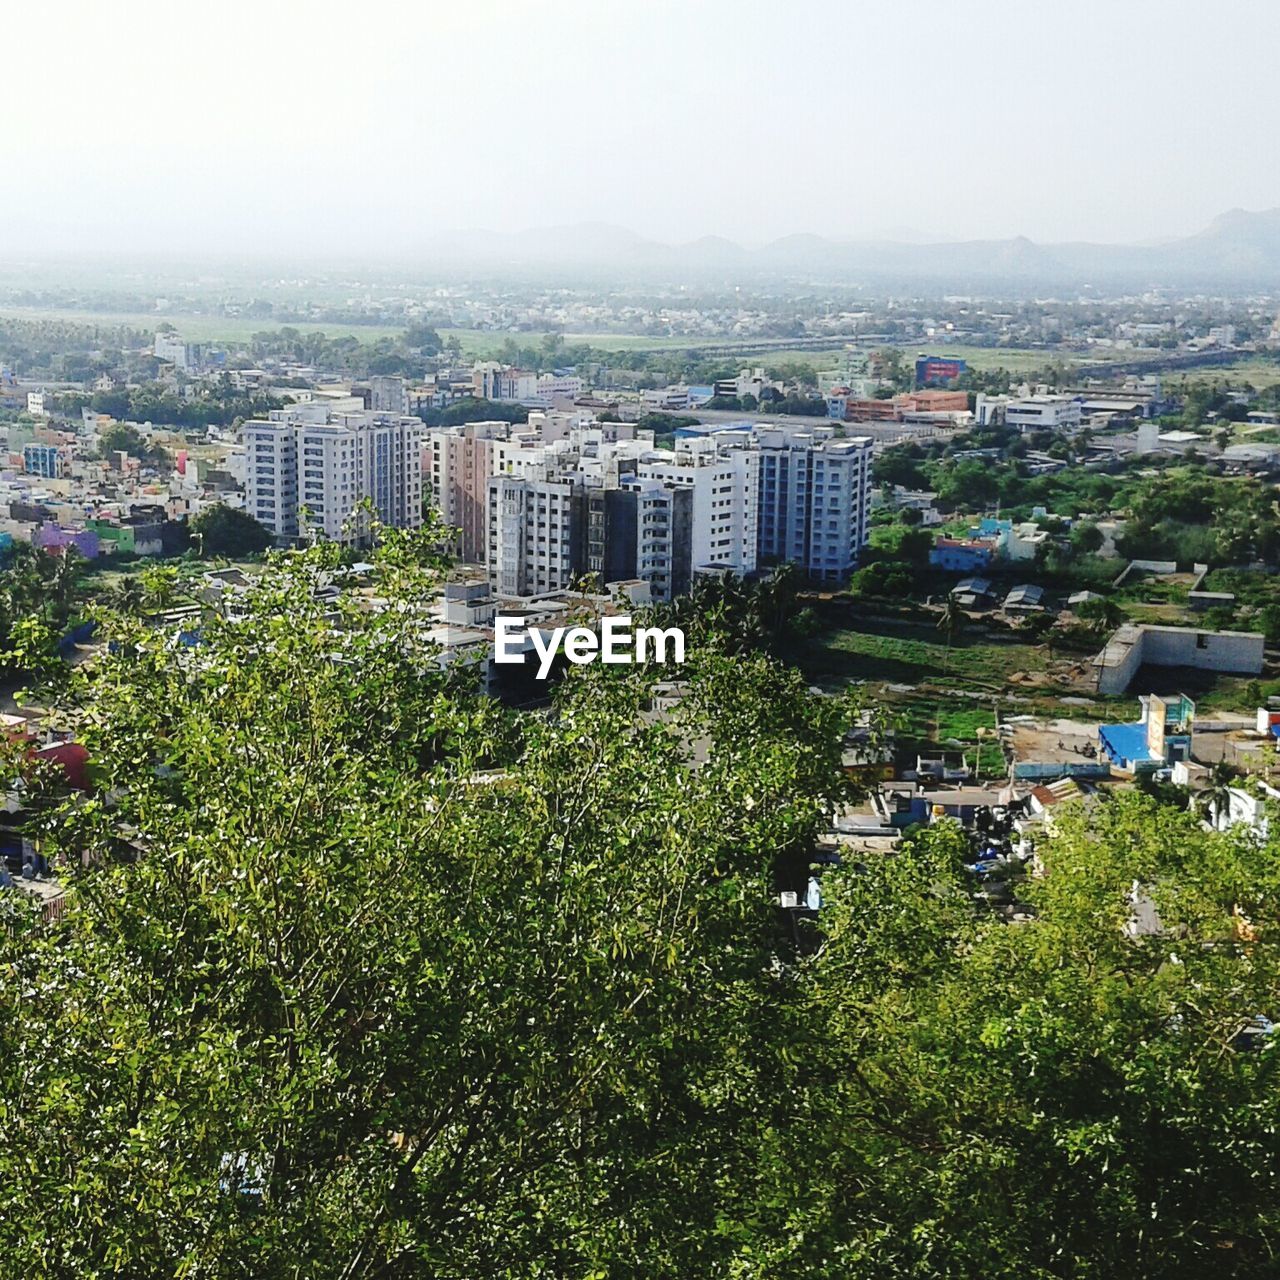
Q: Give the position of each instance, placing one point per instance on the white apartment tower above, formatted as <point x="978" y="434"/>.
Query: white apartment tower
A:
<point x="815" y="500"/>
<point x="328" y="464"/>
<point x="724" y="475"/>
<point x="271" y="474"/>
<point x="534" y="528"/>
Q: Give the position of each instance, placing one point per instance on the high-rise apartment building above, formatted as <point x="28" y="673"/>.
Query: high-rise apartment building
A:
<point x="542" y="513"/>
<point x="815" y="500"/>
<point x="309" y="469"/>
<point x="535" y="534"/>
<point x="723" y="472"/>
<point x="387" y="395"/>
<point x="457" y="464"/>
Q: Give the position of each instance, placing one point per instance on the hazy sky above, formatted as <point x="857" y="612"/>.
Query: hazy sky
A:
<point x="365" y="127"/>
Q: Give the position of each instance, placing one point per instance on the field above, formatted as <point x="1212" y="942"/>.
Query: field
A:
<point x="916" y="655"/>
<point x="1259" y="373"/>
<point x="195" y="328"/>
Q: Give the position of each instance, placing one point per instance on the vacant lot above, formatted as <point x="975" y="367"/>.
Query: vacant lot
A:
<point x="917" y="655"/>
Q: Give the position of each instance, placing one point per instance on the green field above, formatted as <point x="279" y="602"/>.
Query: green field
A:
<point x="200" y="328"/>
<point x="1258" y="372"/>
<point x="917" y="655"/>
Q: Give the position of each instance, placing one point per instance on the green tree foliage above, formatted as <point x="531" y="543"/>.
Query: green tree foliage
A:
<point x="1187" y="515"/>
<point x="220" y="530"/>
<point x="362" y="976"/>
<point x="1050" y="1099"/>
<point x="38" y="597"/>
<point x="123" y="438"/>
<point x="472" y="409"/>
<point x="743" y="615"/>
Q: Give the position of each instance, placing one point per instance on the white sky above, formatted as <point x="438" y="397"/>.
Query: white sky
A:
<point x="349" y="127"/>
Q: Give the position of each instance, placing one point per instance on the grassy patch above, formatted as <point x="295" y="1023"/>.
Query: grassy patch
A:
<point x="917" y="655"/>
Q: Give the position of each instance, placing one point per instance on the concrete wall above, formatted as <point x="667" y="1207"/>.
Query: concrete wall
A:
<point x="1233" y="652"/>
<point x="1238" y="652"/>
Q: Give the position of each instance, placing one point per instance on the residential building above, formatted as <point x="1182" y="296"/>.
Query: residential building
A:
<point x="271" y="473"/>
<point x="725" y="479"/>
<point x="311" y="459"/>
<point x="535" y="534"/>
<point x="815" y="500"/>
<point x="1161" y="736"/>
<point x="44" y="460"/>
<point x="387" y="395"/>
<point x="493" y="381"/>
<point x="960" y="555"/>
<point x="457" y="464"/>
<point x="172" y="350"/>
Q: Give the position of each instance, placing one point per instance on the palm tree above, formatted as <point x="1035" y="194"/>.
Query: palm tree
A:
<point x="952" y="619"/>
<point x="63" y="578"/>
<point x="1214" y="801"/>
<point x="775" y="602"/>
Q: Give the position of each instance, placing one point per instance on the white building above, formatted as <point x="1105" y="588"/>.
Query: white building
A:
<point x="533" y="525"/>
<point x="1043" y="413"/>
<point x="35" y="404"/>
<point x="493" y="381"/>
<point x="725" y="479"/>
<point x="553" y="387"/>
<point x="815" y="500"/>
<point x="387" y="395"/>
<point x="172" y="350"/>
<point x="310" y="458"/>
<point x="671" y="399"/>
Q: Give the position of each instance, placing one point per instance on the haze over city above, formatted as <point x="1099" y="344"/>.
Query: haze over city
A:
<point x="247" y="129"/>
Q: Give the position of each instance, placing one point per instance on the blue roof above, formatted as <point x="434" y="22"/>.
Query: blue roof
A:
<point x="1126" y="741"/>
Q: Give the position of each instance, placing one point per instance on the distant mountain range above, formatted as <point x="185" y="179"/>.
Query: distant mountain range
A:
<point x="1240" y="247"/>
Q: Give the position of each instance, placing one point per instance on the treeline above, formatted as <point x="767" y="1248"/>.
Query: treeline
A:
<point x="648" y="369"/>
<point x="219" y="405"/>
<point x="408" y="355"/>
<point x="66" y="350"/>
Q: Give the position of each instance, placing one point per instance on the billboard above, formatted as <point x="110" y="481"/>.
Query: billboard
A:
<point x="938" y="371"/>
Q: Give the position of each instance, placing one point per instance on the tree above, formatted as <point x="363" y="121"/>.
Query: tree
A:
<point x="1105" y="614"/>
<point x="220" y="530"/>
<point x="423" y="339"/>
<point x="362" y="975"/>
<point x="1214" y="801"/>
<point x="1046" y="1099"/>
<point x="951" y="620"/>
<point x="1086" y="537"/>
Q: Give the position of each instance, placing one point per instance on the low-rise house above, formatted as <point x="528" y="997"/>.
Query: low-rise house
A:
<point x="973" y="593"/>
<point x="960" y="555"/>
<point x="1026" y="598"/>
